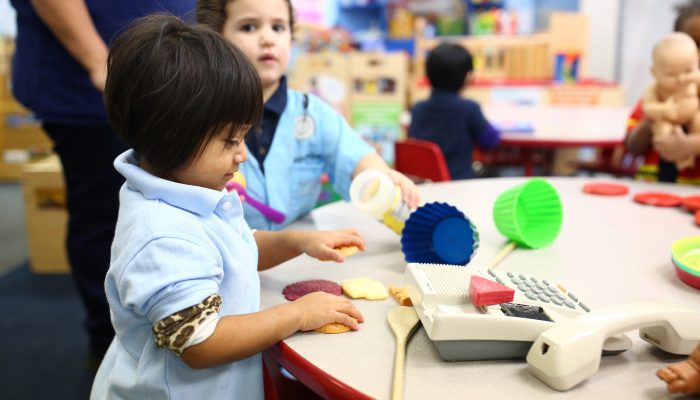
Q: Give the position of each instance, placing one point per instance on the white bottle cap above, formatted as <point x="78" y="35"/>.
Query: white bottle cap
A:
<point x="373" y="192"/>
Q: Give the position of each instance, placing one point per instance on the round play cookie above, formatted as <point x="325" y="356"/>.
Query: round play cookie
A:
<point x="606" y="189"/>
<point x="295" y="290"/>
<point x="658" y="199"/>
<point x="333" y="327"/>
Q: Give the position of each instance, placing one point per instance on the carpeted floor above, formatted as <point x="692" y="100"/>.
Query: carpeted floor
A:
<point x="43" y="347"/>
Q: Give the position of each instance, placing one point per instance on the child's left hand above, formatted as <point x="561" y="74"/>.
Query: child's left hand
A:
<point x="323" y="245"/>
<point x="409" y="190"/>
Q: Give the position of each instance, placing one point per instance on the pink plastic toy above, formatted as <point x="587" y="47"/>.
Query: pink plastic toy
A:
<point x="484" y="292"/>
<point x="269" y="212"/>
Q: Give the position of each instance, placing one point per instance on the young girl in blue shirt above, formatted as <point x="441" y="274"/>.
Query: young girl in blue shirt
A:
<point x="183" y="285"/>
<point x="299" y="137"/>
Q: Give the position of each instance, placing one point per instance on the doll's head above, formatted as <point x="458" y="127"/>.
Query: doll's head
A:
<point x="675" y="59"/>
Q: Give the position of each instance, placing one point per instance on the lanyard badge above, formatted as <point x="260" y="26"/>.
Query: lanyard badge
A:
<point x="304" y="125"/>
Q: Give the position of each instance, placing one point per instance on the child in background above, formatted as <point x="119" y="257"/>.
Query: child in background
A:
<point x="661" y="153"/>
<point x="299" y="137"/>
<point x="452" y="122"/>
<point x="183" y="285"/>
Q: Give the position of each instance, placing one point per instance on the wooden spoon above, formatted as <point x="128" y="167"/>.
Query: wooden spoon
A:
<point x="403" y="321"/>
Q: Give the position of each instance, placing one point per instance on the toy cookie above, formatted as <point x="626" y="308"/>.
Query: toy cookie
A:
<point x="369" y="289"/>
<point x="295" y="290"/>
<point x="333" y="327"/>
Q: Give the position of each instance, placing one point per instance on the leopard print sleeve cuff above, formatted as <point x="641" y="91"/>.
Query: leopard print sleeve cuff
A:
<point x="178" y="330"/>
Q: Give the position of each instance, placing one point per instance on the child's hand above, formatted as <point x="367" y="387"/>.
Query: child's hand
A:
<point x="321" y="308"/>
<point x="408" y="188"/>
<point x="672" y="147"/>
<point x="323" y="244"/>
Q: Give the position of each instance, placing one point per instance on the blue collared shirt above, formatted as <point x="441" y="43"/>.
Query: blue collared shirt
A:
<point x="174" y="246"/>
<point x="455" y="124"/>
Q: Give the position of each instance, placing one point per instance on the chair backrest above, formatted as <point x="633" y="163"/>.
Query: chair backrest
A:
<point x="422" y="159"/>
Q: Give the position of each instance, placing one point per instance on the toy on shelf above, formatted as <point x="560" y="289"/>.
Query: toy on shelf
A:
<point x="313" y="39"/>
<point x="529" y="215"/>
<point x="683" y="377"/>
<point x="672" y="100"/>
<point x="238" y="184"/>
<point x="566" y="67"/>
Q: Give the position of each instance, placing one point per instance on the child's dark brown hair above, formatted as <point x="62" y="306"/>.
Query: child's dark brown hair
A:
<point x="213" y="13"/>
<point x="173" y="87"/>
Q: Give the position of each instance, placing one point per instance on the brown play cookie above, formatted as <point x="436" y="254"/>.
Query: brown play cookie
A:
<point x="400" y="295"/>
<point x="333" y="327"/>
<point x="295" y="290"/>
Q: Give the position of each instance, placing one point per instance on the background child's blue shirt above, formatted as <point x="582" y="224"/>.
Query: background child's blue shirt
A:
<point x="293" y="166"/>
<point x="454" y="123"/>
<point x="175" y="245"/>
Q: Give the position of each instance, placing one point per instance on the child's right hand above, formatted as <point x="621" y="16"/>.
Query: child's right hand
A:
<point x="320" y="308"/>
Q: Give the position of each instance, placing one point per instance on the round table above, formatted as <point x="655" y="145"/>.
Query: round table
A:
<point x="610" y="251"/>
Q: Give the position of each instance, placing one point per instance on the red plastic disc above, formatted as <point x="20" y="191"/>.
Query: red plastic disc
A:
<point x="606" y="189"/>
<point x="697" y="218"/>
<point x="658" y="199"/>
<point x="691" y="203"/>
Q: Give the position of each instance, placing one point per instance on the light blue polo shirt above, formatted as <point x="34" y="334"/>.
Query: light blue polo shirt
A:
<point x="175" y="245"/>
<point x="295" y="162"/>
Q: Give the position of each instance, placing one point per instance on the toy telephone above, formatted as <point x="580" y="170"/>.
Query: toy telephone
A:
<point x="464" y="331"/>
<point x="569" y="353"/>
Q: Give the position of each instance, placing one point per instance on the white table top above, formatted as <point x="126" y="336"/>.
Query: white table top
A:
<point x="610" y="251"/>
<point x="576" y="125"/>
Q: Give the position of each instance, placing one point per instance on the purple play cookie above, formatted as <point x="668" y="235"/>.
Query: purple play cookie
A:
<point x="295" y="290"/>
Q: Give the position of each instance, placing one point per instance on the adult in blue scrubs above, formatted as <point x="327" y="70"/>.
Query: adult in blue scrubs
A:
<point x="59" y="73"/>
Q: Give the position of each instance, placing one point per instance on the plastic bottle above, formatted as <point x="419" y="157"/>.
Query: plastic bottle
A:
<point x="373" y="192"/>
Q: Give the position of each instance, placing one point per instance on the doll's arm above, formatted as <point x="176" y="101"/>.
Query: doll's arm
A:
<point x="654" y="108"/>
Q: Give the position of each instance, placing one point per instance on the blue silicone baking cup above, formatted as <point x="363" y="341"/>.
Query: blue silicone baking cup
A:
<point x="439" y="233"/>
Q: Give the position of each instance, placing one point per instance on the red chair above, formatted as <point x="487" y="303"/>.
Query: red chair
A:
<point x="422" y="159"/>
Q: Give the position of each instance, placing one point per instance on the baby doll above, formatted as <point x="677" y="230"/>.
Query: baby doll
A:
<point x="673" y="98"/>
<point x="684" y="376"/>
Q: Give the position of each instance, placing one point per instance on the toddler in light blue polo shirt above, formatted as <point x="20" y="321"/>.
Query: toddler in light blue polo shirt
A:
<point x="183" y="285"/>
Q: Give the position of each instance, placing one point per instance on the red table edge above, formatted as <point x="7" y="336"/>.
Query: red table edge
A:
<point x="313" y="377"/>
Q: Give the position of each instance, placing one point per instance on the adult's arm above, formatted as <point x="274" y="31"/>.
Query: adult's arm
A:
<point x="70" y="21"/>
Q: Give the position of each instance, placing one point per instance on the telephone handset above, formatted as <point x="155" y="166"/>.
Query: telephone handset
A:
<point x="570" y="352"/>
